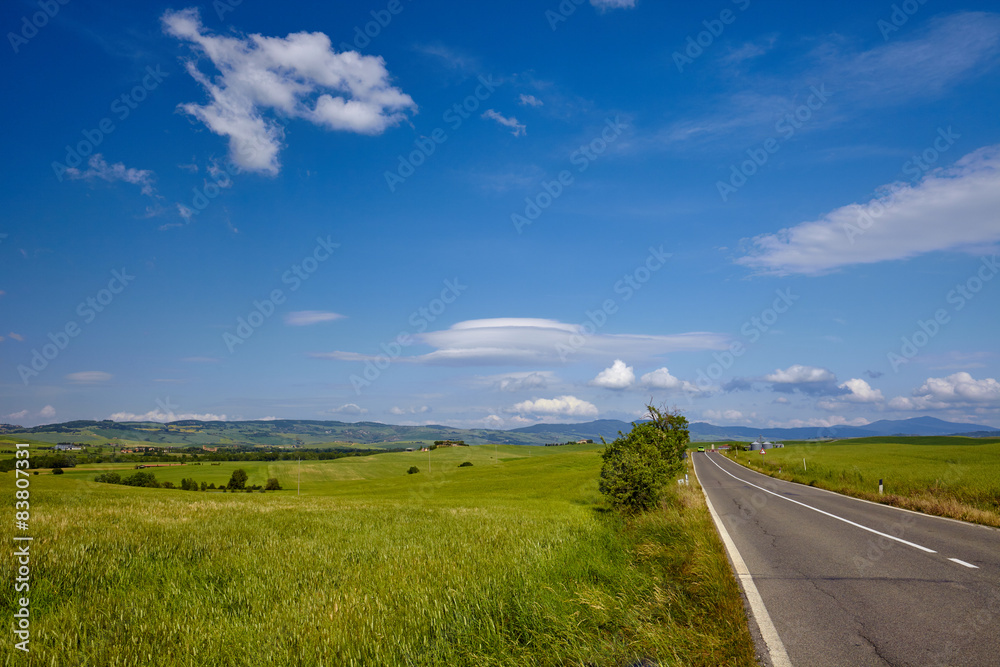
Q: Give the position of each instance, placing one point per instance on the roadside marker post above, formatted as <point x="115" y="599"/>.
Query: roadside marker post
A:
<point x="880" y="487"/>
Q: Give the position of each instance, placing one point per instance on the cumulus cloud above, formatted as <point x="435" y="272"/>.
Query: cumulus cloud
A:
<point x="164" y="416"/>
<point x="409" y="411"/>
<point x="561" y="406"/>
<point x="726" y="416"/>
<point x="662" y="379"/>
<point x="903" y="223"/>
<point x="524" y="341"/>
<point x="98" y="167"/>
<point x="517" y="129"/>
<point x="88" y="377"/>
<point x="348" y="409"/>
<point x="804" y="379"/>
<point x="301" y="318"/>
<point x="530" y="101"/>
<point x="616" y="376"/>
<point x="860" y="392"/>
<point x="48" y="412"/>
<point x="299" y="76"/>
<point x="956" y="390"/>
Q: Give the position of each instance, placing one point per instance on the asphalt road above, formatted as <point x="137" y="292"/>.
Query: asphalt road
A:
<point x="841" y="595"/>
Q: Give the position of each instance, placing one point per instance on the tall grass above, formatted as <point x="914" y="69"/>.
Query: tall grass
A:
<point x="513" y="563"/>
<point x="952" y="477"/>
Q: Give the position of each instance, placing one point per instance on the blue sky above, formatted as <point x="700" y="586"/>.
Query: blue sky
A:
<point x="495" y="215"/>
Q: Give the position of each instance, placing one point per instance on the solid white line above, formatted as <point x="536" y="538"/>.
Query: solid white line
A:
<point x="962" y="562"/>
<point x="779" y="658"/>
<point x="815" y="509"/>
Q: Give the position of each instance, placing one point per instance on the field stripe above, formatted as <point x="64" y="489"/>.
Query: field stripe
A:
<point x="775" y="648"/>
<point x="816" y="509"/>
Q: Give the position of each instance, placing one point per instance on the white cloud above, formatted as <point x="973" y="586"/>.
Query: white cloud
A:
<point x="518" y="128"/>
<point x="956" y="390"/>
<point x="524" y="341"/>
<point x="164" y="417"/>
<point x="662" y="379"/>
<point x="616" y="376"/>
<point x="409" y="411"/>
<point x="605" y="5"/>
<point x="493" y="421"/>
<point x="727" y="416"/>
<point x="98" y="167"/>
<point x="798" y="373"/>
<point x="88" y="377"/>
<point x="299" y="76"/>
<point x="48" y="412"/>
<point x="301" y="318"/>
<point x="349" y="409"/>
<point x="903" y="224"/>
<point x="530" y="101"/>
<point x="563" y="406"/>
<point x="20" y="414"/>
<point x="521" y="381"/>
<point x="861" y="392"/>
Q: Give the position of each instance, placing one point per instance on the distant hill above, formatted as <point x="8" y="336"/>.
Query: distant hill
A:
<point x="305" y="433"/>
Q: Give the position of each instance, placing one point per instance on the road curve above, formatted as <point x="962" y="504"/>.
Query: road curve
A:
<point x="848" y="583"/>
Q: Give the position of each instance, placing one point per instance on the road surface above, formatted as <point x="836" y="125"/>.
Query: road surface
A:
<point x="847" y="583"/>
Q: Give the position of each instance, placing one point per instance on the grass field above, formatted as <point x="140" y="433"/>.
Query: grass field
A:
<point x="508" y="562"/>
<point x="945" y="475"/>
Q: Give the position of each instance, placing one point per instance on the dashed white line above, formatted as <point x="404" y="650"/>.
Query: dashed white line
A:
<point x="962" y="562"/>
<point x="815" y="509"/>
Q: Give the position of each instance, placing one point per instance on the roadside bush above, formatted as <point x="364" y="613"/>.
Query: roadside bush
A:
<point x="637" y="465"/>
<point x="412" y="470"/>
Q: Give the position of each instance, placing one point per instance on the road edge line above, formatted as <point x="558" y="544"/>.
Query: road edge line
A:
<point x="775" y="648"/>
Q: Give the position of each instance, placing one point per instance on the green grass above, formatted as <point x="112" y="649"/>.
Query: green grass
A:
<point x="509" y="562"/>
<point x="949" y="476"/>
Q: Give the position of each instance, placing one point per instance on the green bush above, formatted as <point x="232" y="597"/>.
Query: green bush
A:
<point x="465" y="464"/>
<point x="238" y="479"/>
<point x="272" y="484"/>
<point x="637" y="465"/>
<point x="412" y="470"/>
<point x="57" y="471"/>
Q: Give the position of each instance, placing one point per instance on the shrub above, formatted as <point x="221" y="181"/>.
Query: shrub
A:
<point x="238" y="479"/>
<point x="465" y="464"/>
<point x="109" y="478"/>
<point x="637" y="465"/>
<point x="167" y="485"/>
<point x="412" y="470"/>
<point x="146" y="479"/>
<point x="272" y="484"/>
<point x="57" y="471"/>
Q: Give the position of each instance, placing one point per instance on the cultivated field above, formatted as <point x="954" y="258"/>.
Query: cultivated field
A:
<point x="945" y="475"/>
<point x="509" y="562"/>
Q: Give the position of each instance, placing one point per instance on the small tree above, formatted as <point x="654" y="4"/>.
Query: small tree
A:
<point x="57" y="471"/>
<point x="412" y="470"/>
<point x="637" y="465"/>
<point x="238" y="479"/>
<point x="272" y="484"/>
<point x="204" y="486"/>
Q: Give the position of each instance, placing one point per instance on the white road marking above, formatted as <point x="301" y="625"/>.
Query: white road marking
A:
<point x="962" y="562"/>
<point x="815" y="509"/>
<point x="776" y="649"/>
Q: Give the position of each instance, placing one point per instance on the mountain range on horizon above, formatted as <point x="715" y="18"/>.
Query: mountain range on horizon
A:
<point x="281" y="432"/>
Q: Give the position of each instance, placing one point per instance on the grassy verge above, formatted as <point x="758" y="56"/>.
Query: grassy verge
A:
<point x="509" y="563"/>
<point x="952" y="477"/>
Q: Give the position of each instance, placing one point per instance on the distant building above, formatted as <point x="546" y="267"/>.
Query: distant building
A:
<point x="67" y="447"/>
<point x="761" y="443"/>
<point x="584" y="442"/>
